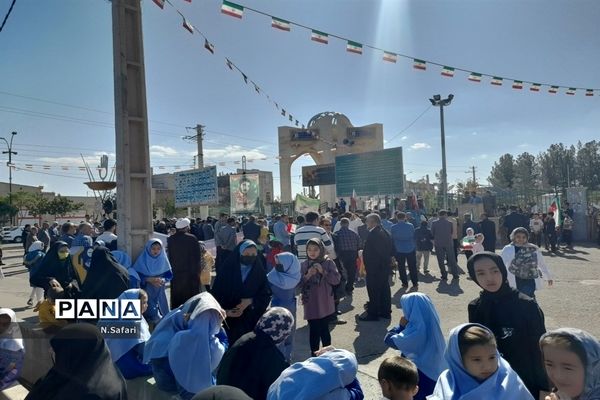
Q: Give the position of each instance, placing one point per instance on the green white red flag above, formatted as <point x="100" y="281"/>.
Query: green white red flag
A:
<point x="535" y="87"/>
<point x="231" y="9"/>
<point x="390" y="57"/>
<point x="448" y="71"/>
<point x="354" y="47"/>
<point x="553" y="89"/>
<point x="320" y="37"/>
<point x="589" y="92"/>
<point x="280" y="24"/>
<point x="517" y="85"/>
<point x="496" y="81"/>
<point x="475" y="77"/>
<point x="571" y="91"/>
<point x="555" y="208"/>
<point x="160" y="3"/>
<point x="210" y="47"/>
<point x="419" y="64"/>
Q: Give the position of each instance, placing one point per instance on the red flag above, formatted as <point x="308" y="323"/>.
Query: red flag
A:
<point x="160" y="3"/>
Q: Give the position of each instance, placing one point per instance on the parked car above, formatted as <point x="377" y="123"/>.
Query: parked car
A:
<point x="13" y="236"/>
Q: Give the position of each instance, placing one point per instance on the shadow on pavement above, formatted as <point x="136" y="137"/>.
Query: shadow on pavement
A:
<point x="369" y="344"/>
<point x="451" y="289"/>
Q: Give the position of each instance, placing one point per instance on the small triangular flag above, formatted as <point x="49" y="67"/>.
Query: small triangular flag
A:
<point x="283" y="112"/>
<point x="160" y="3"/>
<point x="188" y="26"/>
<point x="256" y="88"/>
<point x="229" y="64"/>
<point x="245" y="77"/>
<point x="209" y="46"/>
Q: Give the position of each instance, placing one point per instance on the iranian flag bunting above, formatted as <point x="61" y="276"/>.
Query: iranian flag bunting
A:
<point x="354" y="47"/>
<point x="231" y="9"/>
<point x="496" y="81"/>
<point x="256" y="88"/>
<point x="448" y="71"/>
<point x="291" y="118"/>
<point x="283" y="112"/>
<point x="555" y="208"/>
<point x="229" y="64"/>
<point x="390" y="57"/>
<point x="419" y="64"/>
<point x="535" y="87"/>
<point x="210" y="47"/>
<point x="571" y="91"/>
<point x="517" y="85"/>
<point x="297" y="123"/>
<point x="160" y="3"/>
<point x="553" y="89"/>
<point x="281" y="24"/>
<point x="245" y="77"/>
<point x="589" y="92"/>
<point x="188" y="26"/>
<point x="475" y="77"/>
<point x="319" y="37"/>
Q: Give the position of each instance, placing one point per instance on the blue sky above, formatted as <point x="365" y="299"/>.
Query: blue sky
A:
<point x="61" y="51"/>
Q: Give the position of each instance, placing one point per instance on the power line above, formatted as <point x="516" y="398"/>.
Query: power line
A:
<point x="7" y="14"/>
<point x="411" y="124"/>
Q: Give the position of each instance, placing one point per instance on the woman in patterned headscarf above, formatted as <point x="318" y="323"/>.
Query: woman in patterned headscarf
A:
<point x="257" y="352"/>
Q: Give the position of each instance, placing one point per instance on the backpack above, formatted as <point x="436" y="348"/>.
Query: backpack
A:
<point x="525" y="263"/>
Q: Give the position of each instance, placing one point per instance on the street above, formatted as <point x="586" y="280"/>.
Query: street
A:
<point x="572" y="301"/>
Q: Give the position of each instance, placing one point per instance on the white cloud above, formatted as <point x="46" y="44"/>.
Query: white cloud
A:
<point x="474" y="133"/>
<point x="66" y="161"/>
<point x="480" y="157"/>
<point x="163" y="151"/>
<point x="523" y="145"/>
<point x="404" y="137"/>
<point x="233" y="152"/>
<point x="420" y="146"/>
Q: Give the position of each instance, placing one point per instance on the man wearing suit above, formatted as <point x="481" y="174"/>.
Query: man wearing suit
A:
<point x="442" y="231"/>
<point x="377" y="256"/>
<point x="488" y="228"/>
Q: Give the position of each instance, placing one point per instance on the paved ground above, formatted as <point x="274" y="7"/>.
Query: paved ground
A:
<point x="573" y="301"/>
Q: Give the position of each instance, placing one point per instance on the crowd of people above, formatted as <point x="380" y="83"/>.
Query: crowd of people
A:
<point x="229" y="327"/>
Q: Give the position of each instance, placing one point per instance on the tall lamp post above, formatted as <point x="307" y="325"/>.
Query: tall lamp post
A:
<point x="10" y="152"/>
<point x="437" y="101"/>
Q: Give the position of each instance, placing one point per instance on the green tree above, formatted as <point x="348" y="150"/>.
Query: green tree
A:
<point x="22" y="201"/>
<point x="503" y="172"/>
<point x="526" y="172"/>
<point x="557" y="166"/>
<point x="6" y="210"/>
<point x="38" y="205"/>
<point x="60" y="206"/>
<point x="588" y="164"/>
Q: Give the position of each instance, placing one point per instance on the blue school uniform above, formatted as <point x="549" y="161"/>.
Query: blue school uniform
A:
<point x="421" y="340"/>
<point x="457" y="384"/>
<point x="148" y="266"/>
<point x="185" y="354"/>
<point x="128" y="354"/>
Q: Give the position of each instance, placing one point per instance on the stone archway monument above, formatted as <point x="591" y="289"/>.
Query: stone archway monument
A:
<point x="326" y="136"/>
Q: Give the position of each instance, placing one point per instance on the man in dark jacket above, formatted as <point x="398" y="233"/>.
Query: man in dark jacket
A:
<point x="251" y="229"/>
<point x="424" y="239"/>
<point x="550" y="231"/>
<point x="185" y="259"/>
<point x="515" y="220"/>
<point x="24" y="236"/>
<point x="468" y="223"/>
<point x="377" y="256"/>
<point x="208" y="229"/>
<point x="488" y="228"/>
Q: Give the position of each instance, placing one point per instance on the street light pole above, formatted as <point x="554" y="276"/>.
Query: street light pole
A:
<point x="439" y="102"/>
<point x="10" y="152"/>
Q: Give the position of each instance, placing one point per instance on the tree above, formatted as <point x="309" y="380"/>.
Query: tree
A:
<point x="503" y="172"/>
<point x="557" y="166"/>
<point x="22" y="201"/>
<point x="38" y="205"/>
<point x="588" y="164"/>
<point x="61" y="206"/>
<point x="526" y="172"/>
<point x="6" y="210"/>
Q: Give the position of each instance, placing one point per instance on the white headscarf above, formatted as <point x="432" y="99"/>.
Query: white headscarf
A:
<point x="11" y="339"/>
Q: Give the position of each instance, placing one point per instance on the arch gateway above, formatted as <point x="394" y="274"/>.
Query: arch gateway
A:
<point x="327" y="135"/>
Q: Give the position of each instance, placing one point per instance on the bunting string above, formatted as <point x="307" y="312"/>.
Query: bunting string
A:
<point x="352" y="46"/>
<point x="210" y="47"/>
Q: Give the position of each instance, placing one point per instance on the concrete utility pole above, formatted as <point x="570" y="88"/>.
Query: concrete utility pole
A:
<point x="473" y="168"/>
<point x="198" y="138"/>
<point x="134" y="177"/>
